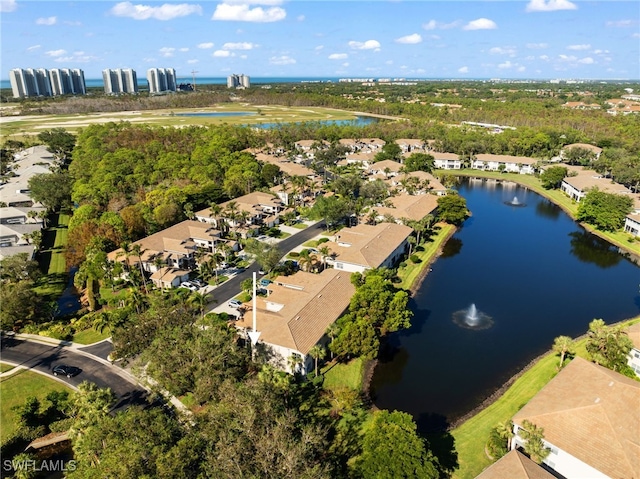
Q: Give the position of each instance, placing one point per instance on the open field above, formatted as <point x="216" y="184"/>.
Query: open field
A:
<point x="15" y="389"/>
<point x="255" y="114"/>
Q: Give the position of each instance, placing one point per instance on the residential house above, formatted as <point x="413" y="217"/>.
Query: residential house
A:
<point x="259" y="209"/>
<point x="371" y="145"/>
<point x="294" y="316"/>
<point x="447" y="161"/>
<point x="362" y="160"/>
<point x="166" y="277"/>
<point x="591" y="422"/>
<point x="32" y="161"/>
<point x="578" y="186"/>
<point x="176" y="247"/>
<point x="585" y="146"/>
<point x="411" y="145"/>
<point x="15" y="239"/>
<point x="623" y="106"/>
<point x="366" y="247"/>
<point x="18" y="215"/>
<point x="510" y="164"/>
<point x="632" y="224"/>
<point x="413" y="207"/>
<point x="580" y="105"/>
<point x="289" y="168"/>
<point x="418" y="182"/>
<point x="515" y="465"/>
<point x="634" y="355"/>
<point x="385" y="167"/>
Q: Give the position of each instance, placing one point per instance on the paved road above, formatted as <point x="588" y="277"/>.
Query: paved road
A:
<point x="230" y="288"/>
<point x="43" y="358"/>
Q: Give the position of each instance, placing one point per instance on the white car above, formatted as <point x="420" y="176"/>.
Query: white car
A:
<point x="234" y="303"/>
<point x="189" y="285"/>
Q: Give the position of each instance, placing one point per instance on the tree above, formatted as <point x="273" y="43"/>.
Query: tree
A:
<point x="419" y="162"/>
<point x="59" y="142"/>
<point x="18" y="267"/>
<point x="608" y="345"/>
<point x="505" y="431"/>
<point x="563" y="345"/>
<point x="317" y="352"/>
<point x="53" y="190"/>
<point x="390" y="151"/>
<point x="392" y="448"/>
<point x="20" y="305"/>
<point x="534" y="445"/>
<point x="452" y="208"/>
<point x="606" y="211"/>
<point x="267" y="254"/>
<point x="552" y="177"/>
<point x="577" y="155"/>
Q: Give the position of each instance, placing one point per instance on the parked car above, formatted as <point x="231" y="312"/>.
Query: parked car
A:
<point x="234" y="303"/>
<point x="189" y="285"/>
<point x="262" y="238"/>
<point x="66" y="370"/>
<point x="264" y="282"/>
<point x="198" y="283"/>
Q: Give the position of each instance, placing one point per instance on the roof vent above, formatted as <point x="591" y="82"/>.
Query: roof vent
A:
<point x="597" y="400"/>
<point x="611" y="384"/>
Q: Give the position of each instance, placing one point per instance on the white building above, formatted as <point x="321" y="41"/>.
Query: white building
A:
<point x="238" y="81"/>
<point x="42" y="82"/>
<point x="161" y="80"/>
<point x="120" y="80"/>
<point x="65" y="81"/>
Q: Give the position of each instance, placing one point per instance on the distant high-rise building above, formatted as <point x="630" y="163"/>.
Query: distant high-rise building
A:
<point x="161" y="79"/>
<point x="238" y="81"/>
<point x="42" y="82"/>
<point x="120" y="80"/>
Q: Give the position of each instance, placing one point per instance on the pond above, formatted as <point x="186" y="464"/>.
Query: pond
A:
<point x="532" y="274"/>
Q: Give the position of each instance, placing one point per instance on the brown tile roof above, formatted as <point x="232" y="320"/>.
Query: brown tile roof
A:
<point x="288" y="167"/>
<point x="248" y="202"/>
<point x="166" y="275"/>
<point x="593" y="414"/>
<point x="445" y="156"/>
<point x="587" y="179"/>
<point x="586" y="146"/>
<point x="434" y="183"/>
<point x="414" y="207"/>
<point x="317" y="301"/>
<point x="514" y="465"/>
<point x="371" y="245"/>
<point x="393" y="166"/>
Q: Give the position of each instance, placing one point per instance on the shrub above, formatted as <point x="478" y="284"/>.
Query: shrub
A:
<point x="294" y="254"/>
<point x="403" y="264"/>
<point x="496" y="446"/>
<point x="415" y="259"/>
<point x="323" y="240"/>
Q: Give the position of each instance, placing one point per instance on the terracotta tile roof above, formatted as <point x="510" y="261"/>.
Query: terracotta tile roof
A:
<point x="514" y="465"/>
<point x="393" y="166"/>
<point x="414" y="207"/>
<point x="310" y="303"/>
<point x="166" y="275"/>
<point x="370" y="245"/>
<point x="593" y="414"/>
<point x="288" y="167"/>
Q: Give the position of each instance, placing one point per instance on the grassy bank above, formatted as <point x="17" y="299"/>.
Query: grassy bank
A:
<point x="471" y="437"/>
<point x="617" y="238"/>
<point x="15" y="389"/>
<point x="51" y="257"/>
<point x="344" y="375"/>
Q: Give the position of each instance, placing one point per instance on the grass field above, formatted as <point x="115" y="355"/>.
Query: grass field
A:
<point x="5" y="367"/>
<point x="341" y="375"/>
<point x="254" y="114"/>
<point x="90" y="336"/>
<point x="15" y="389"/>
<point x="51" y="258"/>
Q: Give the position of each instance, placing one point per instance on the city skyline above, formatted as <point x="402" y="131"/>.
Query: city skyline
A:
<point x="537" y="39"/>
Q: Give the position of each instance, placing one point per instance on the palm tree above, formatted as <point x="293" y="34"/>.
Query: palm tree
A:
<point x="534" y="445"/>
<point x="136" y="250"/>
<point x="135" y="299"/>
<point x="324" y="252"/>
<point x="317" y="352"/>
<point x="215" y="210"/>
<point x="333" y="330"/>
<point x="294" y="361"/>
<point x="199" y="300"/>
<point x="411" y="240"/>
<point x="563" y="345"/>
<point x="505" y="431"/>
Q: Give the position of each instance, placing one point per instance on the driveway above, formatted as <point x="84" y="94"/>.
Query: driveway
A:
<point x="43" y="357"/>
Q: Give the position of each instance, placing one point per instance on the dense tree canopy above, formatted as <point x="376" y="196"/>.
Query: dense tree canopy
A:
<point x="452" y="208"/>
<point x="552" y="177"/>
<point x="606" y="211"/>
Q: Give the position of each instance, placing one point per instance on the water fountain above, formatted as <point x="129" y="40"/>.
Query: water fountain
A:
<point x="472" y="318"/>
<point x="514" y="202"/>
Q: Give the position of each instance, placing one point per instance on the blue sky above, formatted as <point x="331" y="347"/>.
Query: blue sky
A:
<point x="366" y="38"/>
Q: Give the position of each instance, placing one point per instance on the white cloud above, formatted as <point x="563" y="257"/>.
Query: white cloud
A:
<point x="76" y="57"/>
<point x="205" y="46"/>
<point x="167" y="52"/>
<point x="242" y="13"/>
<point x="239" y="46"/>
<point x="601" y="52"/>
<point x="244" y="57"/>
<point x="34" y="47"/>
<point x="481" y="24"/>
<point x="192" y="62"/>
<point x="544" y="58"/>
<point x="433" y="25"/>
<point x="410" y="39"/>
<point x="46" y="21"/>
<point x="368" y="45"/>
<point x="338" y="56"/>
<point x="345" y="64"/>
<point x="586" y="61"/>
<point x="511" y="51"/>
<point x="567" y="58"/>
<point x="584" y="46"/>
<point x="164" y="12"/>
<point x="635" y="35"/>
<point x="72" y="23"/>
<point x="537" y="46"/>
<point x="521" y="69"/>
<point x="506" y="65"/>
<point x="318" y="48"/>
<point x="463" y="70"/>
<point x="550" y="5"/>
<point x="55" y="53"/>
<point x="282" y="60"/>
<point x="389" y="62"/>
<point x="7" y="6"/>
<point x="221" y="54"/>
<point x="621" y="23"/>
<point x="184" y="49"/>
<point x="300" y="18"/>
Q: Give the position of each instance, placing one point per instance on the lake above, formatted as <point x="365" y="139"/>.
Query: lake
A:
<point x="532" y="271"/>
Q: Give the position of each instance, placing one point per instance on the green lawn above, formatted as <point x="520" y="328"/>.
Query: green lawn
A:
<point x="300" y="226"/>
<point x="51" y="258"/>
<point x="411" y="271"/>
<point x="5" y="367"/>
<point x="471" y="437"/>
<point x="90" y="336"/>
<point x="341" y="375"/>
<point x="15" y="389"/>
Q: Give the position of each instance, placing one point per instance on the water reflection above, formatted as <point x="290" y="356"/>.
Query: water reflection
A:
<point x="451" y="248"/>
<point x="548" y="210"/>
<point x="588" y="248"/>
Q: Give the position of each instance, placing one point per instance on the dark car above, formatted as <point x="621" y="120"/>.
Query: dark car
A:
<point x="66" y="370"/>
